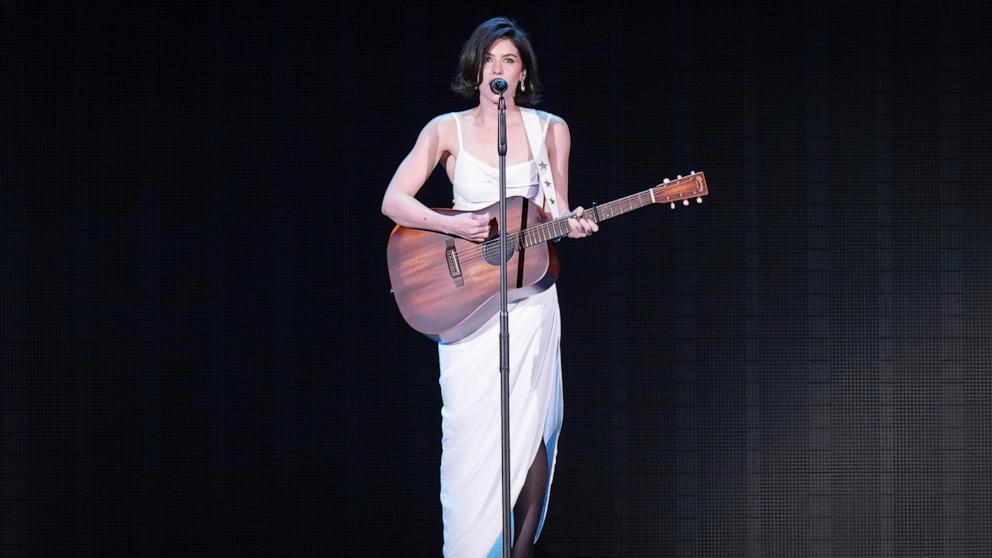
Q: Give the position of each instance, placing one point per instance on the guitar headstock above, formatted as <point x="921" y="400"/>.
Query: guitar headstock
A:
<point x="681" y="189"/>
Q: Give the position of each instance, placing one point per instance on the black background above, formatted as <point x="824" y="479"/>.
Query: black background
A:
<point x="200" y="355"/>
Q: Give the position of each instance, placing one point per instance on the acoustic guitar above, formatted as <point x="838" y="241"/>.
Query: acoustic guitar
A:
<point x="446" y="287"/>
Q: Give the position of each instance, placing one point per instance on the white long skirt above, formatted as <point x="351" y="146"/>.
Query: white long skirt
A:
<point x="471" y="496"/>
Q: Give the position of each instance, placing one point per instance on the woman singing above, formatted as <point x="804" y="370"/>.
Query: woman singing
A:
<point x="536" y="167"/>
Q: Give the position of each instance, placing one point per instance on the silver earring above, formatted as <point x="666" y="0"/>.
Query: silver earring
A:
<point x="523" y="86"/>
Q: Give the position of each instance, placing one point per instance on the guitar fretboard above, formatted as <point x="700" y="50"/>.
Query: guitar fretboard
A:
<point x="598" y="213"/>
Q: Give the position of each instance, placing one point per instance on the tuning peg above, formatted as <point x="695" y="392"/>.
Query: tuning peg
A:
<point x="692" y="173"/>
<point x="685" y="202"/>
<point x="680" y="177"/>
<point x="665" y="181"/>
<point x="699" y="200"/>
<point x="673" y="205"/>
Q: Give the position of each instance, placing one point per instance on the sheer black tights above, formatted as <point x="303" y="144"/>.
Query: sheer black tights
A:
<point x="530" y="503"/>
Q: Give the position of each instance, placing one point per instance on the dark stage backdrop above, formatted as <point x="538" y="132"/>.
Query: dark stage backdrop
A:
<point x="200" y="355"/>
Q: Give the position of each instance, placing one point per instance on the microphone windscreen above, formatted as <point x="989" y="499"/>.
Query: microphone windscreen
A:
<point x="498" y="85"/>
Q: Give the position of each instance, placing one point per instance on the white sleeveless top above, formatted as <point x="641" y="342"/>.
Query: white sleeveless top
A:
<point x="475" y="184"/>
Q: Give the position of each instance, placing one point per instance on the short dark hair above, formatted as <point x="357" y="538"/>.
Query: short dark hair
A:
<point x="473" y="56"/>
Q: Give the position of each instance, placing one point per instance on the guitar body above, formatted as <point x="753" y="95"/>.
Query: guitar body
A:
<point x="447" y="287"/>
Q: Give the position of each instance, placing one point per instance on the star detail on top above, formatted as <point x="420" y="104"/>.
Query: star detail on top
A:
<point x="543" y="165"/>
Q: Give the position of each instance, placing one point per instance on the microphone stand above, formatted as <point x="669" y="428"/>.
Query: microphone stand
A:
<point x="504" y="333"/>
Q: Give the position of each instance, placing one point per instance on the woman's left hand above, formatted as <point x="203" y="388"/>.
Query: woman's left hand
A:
<point x="580" y="227"/>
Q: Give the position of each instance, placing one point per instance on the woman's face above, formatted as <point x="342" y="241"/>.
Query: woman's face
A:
<point x="502" y="61"/>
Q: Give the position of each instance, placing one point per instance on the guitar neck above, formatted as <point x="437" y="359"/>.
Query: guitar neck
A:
<point x="692" y="186"/>
<point x="597" y="213"/>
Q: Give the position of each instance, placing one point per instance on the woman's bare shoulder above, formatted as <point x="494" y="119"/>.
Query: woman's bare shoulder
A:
<point x="554" y="119"/>
<point x="444" y="126"/>
<point x="439" y="122"/>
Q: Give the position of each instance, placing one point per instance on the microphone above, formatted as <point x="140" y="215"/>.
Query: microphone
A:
<point x="498" y="86"/>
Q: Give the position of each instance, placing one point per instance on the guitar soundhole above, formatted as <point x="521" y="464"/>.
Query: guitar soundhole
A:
<point x="490" y="250"/>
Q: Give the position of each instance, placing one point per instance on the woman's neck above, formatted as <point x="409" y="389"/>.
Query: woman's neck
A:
<point x="487" y="114"/>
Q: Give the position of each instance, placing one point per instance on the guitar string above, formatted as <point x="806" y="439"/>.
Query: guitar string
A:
<point x="475" y="253"/>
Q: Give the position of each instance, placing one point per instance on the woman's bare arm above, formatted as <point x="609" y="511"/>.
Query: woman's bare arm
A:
<point x="558" y="153"/>
<point x="400" y="204"/>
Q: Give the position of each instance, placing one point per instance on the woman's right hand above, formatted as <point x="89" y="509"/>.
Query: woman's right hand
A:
<point x="470" y="226"/>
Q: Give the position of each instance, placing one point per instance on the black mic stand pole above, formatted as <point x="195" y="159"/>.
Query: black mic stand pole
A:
<point x="504" y="333"/>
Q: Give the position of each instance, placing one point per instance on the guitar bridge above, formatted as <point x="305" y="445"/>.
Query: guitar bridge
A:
<point x="454" y="268"/>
